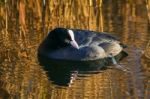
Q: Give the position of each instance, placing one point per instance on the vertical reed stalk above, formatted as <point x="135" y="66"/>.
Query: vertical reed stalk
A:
<point x="43" y="15"/>
<point x="6" y="16"/>
<point x="6" y="37"/>
<point x="38" y="8"/>
<point x="22" y="18"/>
<point x="148" y="9"/>
<point x="147" y="50"/>
<point x="101" y="16"/>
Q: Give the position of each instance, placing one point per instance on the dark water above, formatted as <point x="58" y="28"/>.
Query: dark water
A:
<point x="23" y="26"/>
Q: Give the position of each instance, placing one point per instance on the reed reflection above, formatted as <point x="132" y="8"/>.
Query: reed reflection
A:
<point x="24" y="24"/>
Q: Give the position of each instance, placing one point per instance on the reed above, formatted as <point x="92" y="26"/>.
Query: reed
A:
<point x="147" y="49"/>
<point x="6" y="17"/>
<point x="148" y="9"/>
<point x="25" y="23"/>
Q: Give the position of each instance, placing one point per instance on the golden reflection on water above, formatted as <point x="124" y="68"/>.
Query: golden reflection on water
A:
<point x="24" y="24"/>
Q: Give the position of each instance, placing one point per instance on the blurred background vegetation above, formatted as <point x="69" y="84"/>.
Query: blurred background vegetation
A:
<point x="25" y="23"/>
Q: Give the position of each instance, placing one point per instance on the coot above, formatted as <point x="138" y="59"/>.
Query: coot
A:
<point x="79" y="45"/>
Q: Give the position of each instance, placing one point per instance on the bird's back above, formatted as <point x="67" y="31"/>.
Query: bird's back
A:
<point x="93" y="45"/>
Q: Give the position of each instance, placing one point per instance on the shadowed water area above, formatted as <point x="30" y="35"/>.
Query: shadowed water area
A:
<point x="25" y="23"/>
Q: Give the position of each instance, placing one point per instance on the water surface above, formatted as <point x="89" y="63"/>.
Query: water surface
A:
<point x="24" y="24"/>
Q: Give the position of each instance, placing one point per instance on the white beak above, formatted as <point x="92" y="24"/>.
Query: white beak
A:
<point x="74" y="44"/>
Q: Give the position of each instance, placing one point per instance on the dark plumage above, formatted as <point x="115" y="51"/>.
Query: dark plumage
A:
<point x="61" y="44"/>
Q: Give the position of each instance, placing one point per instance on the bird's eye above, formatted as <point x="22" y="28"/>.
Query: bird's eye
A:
<point x="67" y="41"/>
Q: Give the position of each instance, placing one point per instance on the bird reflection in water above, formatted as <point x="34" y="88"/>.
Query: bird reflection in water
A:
<point x="63" y="73"/>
